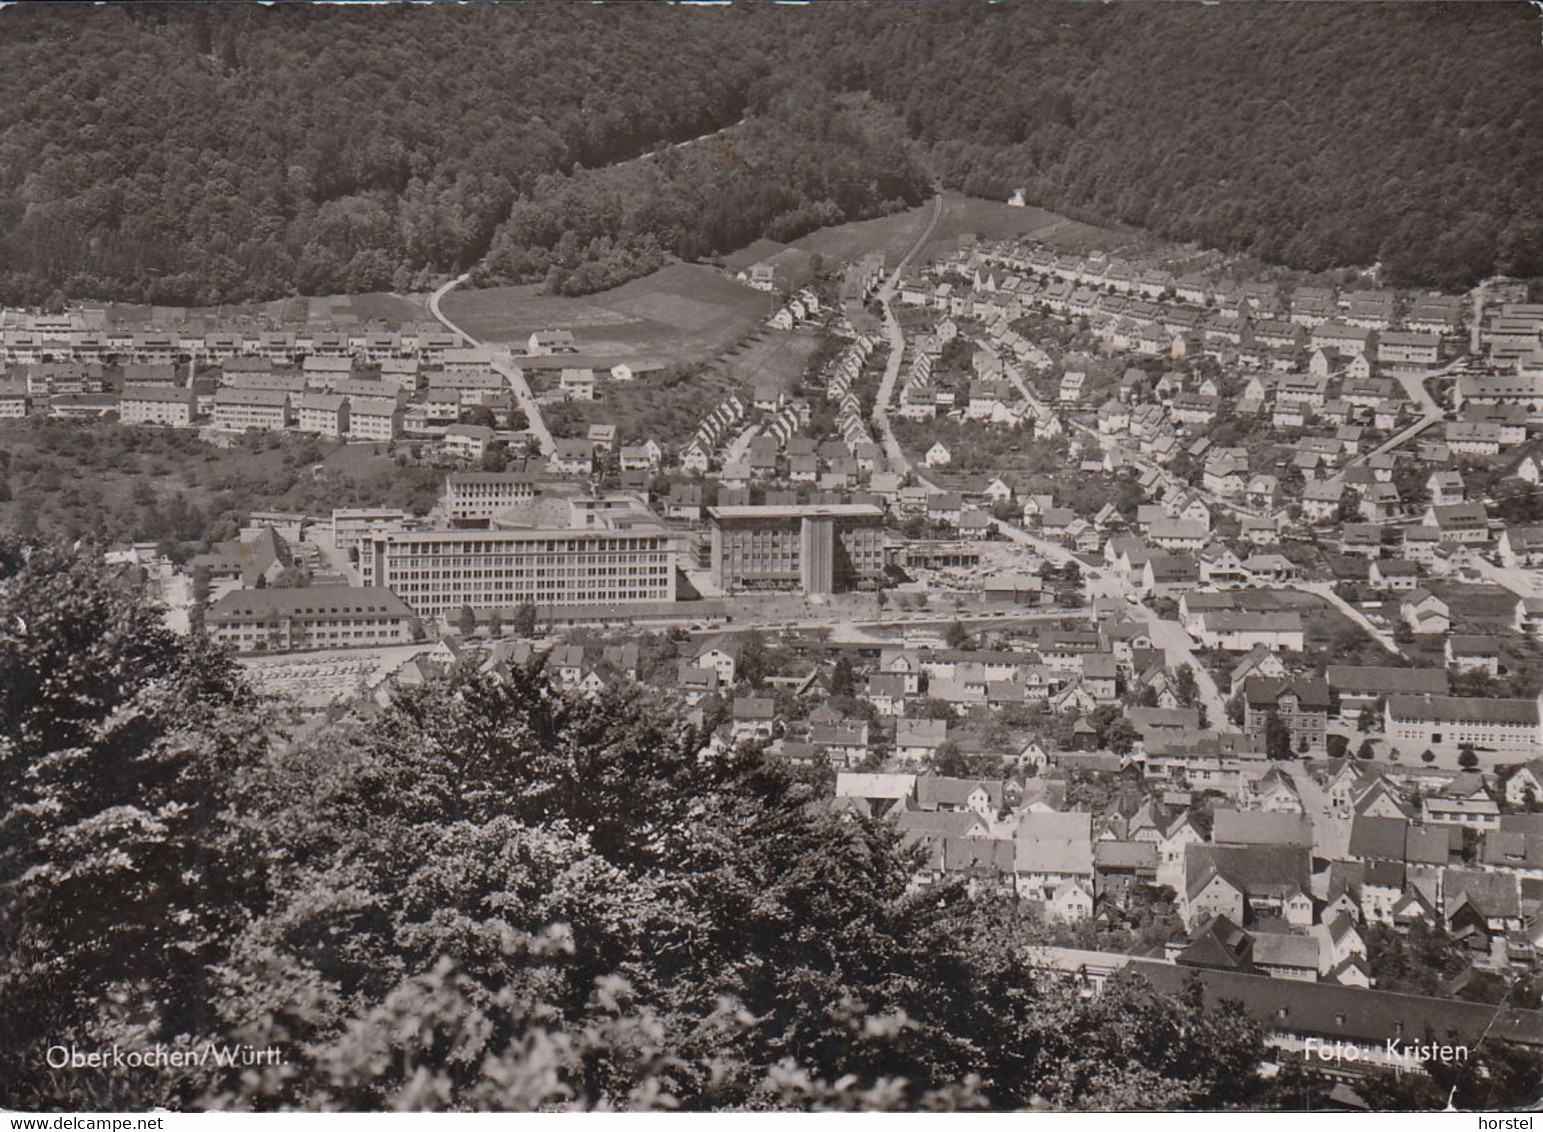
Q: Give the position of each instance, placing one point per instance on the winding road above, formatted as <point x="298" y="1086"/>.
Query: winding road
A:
<point x="1170" y="636"/>
<point x="1430" y="414"/>
<point x="503" y="362"/>
<point x="1325" y="591"/>
<point x="892" y="450"/>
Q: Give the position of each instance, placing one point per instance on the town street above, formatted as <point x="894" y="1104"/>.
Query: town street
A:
<point x="1430" y="413"/>
<point x="1325" y="590"/>
<point x="1169" y="636"/>
<point x="1177" y="645"/>
<point x="896" y="337"/>
<point x="503" y="362"/>
<point x="738" y="449"/>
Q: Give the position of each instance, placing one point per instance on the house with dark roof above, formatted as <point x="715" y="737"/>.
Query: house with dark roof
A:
<point x="1374" y="1024"/>
<point x="1299" y="702"/>
<point x="1247" y="882"/>
<point x="1378" y="839"/>
<point x="257" y="559"/>
<point x="1287" y="955"/>
<point x="940" y="793"/>
<point x="1218" y="944"/>
<point x="1355" y="687"/>
<point x="1254" y="827"/>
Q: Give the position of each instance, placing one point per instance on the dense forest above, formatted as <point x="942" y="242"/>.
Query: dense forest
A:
<point x="202" y="153"/>
<point x="1308" y="134"/>
<point x="805" y="161"/>
<point x="493" y="896"/>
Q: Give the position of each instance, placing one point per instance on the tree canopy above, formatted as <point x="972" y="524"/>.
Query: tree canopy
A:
<point x="491" y="895"/>
<point x="355" y="150"/>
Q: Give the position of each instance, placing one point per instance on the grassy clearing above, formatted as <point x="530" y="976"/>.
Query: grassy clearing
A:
<point x="891" y="236"/>
<point x="663" y="407"/>
<point x="777" y="357"/>
<point x="961" y="217"/>
<point x="668" y="405"/>
<point x="680" y="313"/>
<point x="964" y="217"/>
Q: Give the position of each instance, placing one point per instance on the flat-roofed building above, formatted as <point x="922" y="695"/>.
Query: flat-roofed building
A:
<point x="438" y="572"/>
<point x="475" y="496"/>
<point x="155" y="405"/>
<point x="354" y="525"/>
<point x="308" y="617"/>
<point x="812" y="549"/>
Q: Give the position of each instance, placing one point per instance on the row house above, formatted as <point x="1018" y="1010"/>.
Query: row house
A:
<point x="177" y="408"/>
<point x="238" y="409"/>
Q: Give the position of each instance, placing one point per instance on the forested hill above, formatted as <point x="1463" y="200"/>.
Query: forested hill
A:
<point x="1309" y="134"/>
<point x="201" y="153"/>
<point x="206" y="152"/>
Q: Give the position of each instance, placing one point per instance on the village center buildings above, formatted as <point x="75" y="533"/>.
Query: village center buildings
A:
<point x="814" y="549"/>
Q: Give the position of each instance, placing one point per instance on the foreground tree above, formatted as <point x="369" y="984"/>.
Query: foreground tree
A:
<point x="491" y="895"/>
<point x="126" y="868"/>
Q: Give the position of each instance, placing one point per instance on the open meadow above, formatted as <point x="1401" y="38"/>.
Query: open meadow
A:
<point x="667" y="405"/>
<point x="683" y="312"/>
<point x="964" y="216"/>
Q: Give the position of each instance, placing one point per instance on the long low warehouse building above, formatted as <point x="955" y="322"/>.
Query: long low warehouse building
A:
<point x="1504" y="730"/>
<point x="308" y="617"/>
